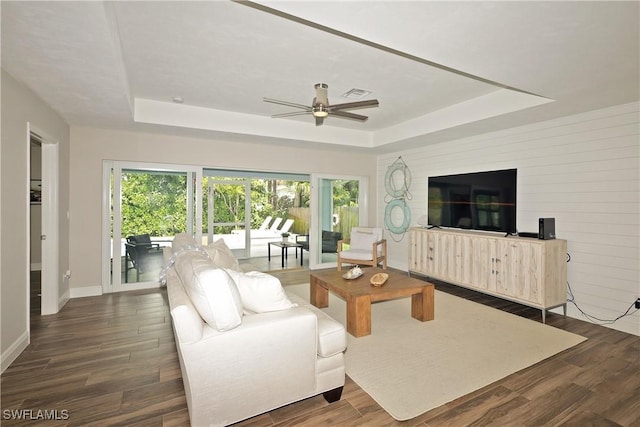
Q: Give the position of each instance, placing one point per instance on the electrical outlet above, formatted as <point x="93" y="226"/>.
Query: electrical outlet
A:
<point x="638" y="303"/>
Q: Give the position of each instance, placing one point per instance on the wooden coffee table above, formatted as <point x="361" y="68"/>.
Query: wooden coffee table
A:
<point x="359" y="294"/>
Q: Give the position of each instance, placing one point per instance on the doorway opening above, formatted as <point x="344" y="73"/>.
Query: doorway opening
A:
<point x="35" y="224"/>
<point x="43" y="230"/>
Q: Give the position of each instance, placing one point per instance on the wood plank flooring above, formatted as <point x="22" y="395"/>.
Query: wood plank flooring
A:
<point x="111" y="360"/>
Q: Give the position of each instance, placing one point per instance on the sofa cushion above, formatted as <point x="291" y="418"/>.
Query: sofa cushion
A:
<point x="332" y="336"/>
<point x="357" y="254"/>
<point x="211" y="290"/>
<point x="361" y="240"/>
<point x="260" y="292"/>
<point x="222" y="256"/>
<point x="181" y="241"/>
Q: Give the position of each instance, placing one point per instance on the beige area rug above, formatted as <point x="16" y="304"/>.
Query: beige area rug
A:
<point x="410" y="367"/>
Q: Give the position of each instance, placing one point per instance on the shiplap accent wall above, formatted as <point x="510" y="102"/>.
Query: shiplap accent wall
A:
<point x="582" y="170"/>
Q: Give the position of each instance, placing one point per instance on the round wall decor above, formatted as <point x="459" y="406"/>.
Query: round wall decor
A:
<point x="389" y="212"/>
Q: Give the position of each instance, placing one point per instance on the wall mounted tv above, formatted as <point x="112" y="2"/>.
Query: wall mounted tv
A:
<point x="476" y="201"/>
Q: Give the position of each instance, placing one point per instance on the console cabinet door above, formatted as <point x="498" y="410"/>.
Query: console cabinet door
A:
<point x="419" y="255"/>
<point x="477" y="264"/>
<point x="446" y="256"/>
<point x="519" y="270"/>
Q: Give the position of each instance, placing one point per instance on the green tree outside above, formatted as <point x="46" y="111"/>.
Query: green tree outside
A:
<point x="156" y="203"/>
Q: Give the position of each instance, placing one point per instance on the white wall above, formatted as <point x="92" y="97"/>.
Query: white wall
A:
<point x="19" y="107"/>
<point x="583" y="170"/>
<point x="90" y="146"/>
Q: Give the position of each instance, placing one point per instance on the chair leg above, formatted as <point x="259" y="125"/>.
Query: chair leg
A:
<point x="384" y="255"/>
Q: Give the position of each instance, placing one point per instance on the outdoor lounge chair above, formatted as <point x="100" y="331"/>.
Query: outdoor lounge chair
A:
<point x="273" y="231"/>
<point x="285" y="227"/>
<point x="141" y="254"/>
<point x="265" y="223"/>
<point x="274" y="225"/>
<point x="330" y="241"/>
<point x="264" y="227"/>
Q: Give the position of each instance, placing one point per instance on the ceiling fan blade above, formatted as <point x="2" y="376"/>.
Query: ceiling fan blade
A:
<point x="288" y="104"/>
<point x="354" y="105"/>
<point x="320" y="107"/>
<point x="292" y="113"/>
<point x="345" y="115"/>
<point x="322" y="96"/>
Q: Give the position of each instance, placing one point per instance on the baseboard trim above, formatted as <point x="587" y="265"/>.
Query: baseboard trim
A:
<point x="85" y="291"/>
<point x="14" y="350"/>
<point x="62" y="300"/>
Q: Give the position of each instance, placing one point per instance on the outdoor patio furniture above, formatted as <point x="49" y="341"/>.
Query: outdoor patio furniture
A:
<point x="265" y="223"/>
<point x="141" y="254"/>
<point x="274" y="225"/>
<point x="285" y="227"/>
<point x="329" y="241"/>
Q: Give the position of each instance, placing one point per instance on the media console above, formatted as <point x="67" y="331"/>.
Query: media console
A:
<point x="526" y="271"/>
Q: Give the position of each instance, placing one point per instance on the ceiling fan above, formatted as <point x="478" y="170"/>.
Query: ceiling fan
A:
<point x="320" y="107"/>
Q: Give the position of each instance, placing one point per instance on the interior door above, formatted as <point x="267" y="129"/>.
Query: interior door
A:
<point x="338" y="203"/>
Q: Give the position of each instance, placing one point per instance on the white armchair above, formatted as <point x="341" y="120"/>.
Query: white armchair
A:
<point x="366" y="247"/>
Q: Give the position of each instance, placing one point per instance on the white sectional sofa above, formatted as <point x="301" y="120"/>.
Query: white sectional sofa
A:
<point x="245" y="346"/>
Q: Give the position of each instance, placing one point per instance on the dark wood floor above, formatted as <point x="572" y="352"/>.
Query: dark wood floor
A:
<point x="111" y="360"/>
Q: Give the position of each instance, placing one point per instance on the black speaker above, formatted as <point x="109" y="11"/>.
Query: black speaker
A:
<point x="546" y="228"/>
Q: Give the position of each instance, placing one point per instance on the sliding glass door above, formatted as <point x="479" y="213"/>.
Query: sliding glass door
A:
<point x="146" y="205"/>
<point x="340" y="204"/>
<point x="226" y="204"/>
<point x="249" y="209"/>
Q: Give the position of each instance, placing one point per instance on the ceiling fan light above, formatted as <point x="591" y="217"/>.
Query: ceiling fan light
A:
<point x="320" y="111"/>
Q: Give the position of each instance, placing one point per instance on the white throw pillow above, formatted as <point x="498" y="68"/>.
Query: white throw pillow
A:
<point x="261" y="292"/>
<point x="363" y="241"/>
<point x="211" y="290"/>
<point x="222" y="256"/>
<point x="181" y="241"/>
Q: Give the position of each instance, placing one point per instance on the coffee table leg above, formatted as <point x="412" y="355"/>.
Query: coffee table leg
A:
<point x="422" y="304"/>
<point x="319" y="296"/>
<point x="284" y="251"/>
<point x="359" y="315"/>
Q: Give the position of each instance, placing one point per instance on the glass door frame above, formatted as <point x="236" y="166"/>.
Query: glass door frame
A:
<point x="315" y="251"/>
<point x="193" y="226"/>
<point x="211" y="223"/>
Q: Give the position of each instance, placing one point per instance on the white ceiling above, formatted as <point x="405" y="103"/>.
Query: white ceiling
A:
<point x="440" y="70"/>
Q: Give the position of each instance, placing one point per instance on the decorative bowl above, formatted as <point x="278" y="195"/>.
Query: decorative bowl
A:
<point x="350" y="275"/>
<point x="379" y="279"/>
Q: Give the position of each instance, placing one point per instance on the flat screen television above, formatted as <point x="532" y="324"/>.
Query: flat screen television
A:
<point x="476" y="201"/>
